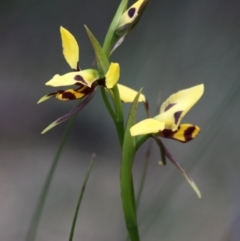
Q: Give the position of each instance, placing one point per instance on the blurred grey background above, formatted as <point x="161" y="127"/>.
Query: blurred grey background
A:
<point x="177" y="44"/>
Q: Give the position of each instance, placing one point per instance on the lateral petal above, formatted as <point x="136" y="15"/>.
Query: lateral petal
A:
<point x="70" y="48"/>
<point x="147" y="126"/>
<point x="127" y="94"/>
<point x="112" y="75"/>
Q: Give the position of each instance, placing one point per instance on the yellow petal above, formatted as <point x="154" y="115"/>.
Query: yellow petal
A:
<point x="146" y="126"/>
<point x="112" y="76"/>
<point x="184" y="133"/>
<point x="70" y="48"/>
<point x="130" y="14"/>
<point x="85" y="77"/>
<point x="127" y="94"/>
<point x="177" y="105"/>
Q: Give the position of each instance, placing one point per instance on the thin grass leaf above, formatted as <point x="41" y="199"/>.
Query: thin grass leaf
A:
<point x="34" y="223"/>
<point x="81" y="197"/>
<point x="101" y="57"/>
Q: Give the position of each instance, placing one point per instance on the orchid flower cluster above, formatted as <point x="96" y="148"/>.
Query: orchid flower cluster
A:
<point x="167" y="124"/>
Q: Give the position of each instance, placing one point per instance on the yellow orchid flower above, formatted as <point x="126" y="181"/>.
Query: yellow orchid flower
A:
<point x="167" y="123"/>
<point x="86" y="80"/>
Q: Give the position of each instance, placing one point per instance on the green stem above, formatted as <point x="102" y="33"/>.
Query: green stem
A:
<point x="128" y="200"/>
<point x="119" y="121"/>
<point x="80" y="198"/>
<point x="32" y="231"/>
<point x="108" y="105"/>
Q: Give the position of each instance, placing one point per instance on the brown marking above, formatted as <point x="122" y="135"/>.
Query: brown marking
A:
<point x="84" y="90"/>
<point x="78" y="78"/>
<point x="188" y="133"/>
<point x="131" y="12"/>
<point x="167" y="133"/>
<point x="169" y="106"/>
<point x="68" y="95"/>
<point x="177" y="116"/>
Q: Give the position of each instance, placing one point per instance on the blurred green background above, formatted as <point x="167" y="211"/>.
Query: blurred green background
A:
<point x="176" y="45"/>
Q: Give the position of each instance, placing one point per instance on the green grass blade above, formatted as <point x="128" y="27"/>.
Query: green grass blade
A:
<point x="34" y="223"/>
<point x="81" y="197"/>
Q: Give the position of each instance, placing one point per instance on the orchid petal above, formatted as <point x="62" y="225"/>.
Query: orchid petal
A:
<point x="147" y="126"/>
<point x="177" y="105"/>
<point x="85" y="77"/>
<point x="70" y="48"/>
<point x="188" y="96"/>
<point x="184" y="133"/>
<point x="112" y="75"/>
<point x="127" y="94"/>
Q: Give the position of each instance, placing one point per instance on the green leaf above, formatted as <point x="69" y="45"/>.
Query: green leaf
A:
<point x="110" y="38"/>
<point x="128" y="154"/>
<point x="101" y="57"/>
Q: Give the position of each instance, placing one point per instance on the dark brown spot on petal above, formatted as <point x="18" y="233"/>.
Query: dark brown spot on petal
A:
<point x="188" y="133"/>
<point x="131" y="12"/>
<point x="84" y="90"/>
<point x="176" y="116"/>
<point x="68" y="95"/>
<point x="78" y="78"/>
<point x="182" y="134"/>
<point x="167" y="133"/>
<point x="169" y="106"/>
